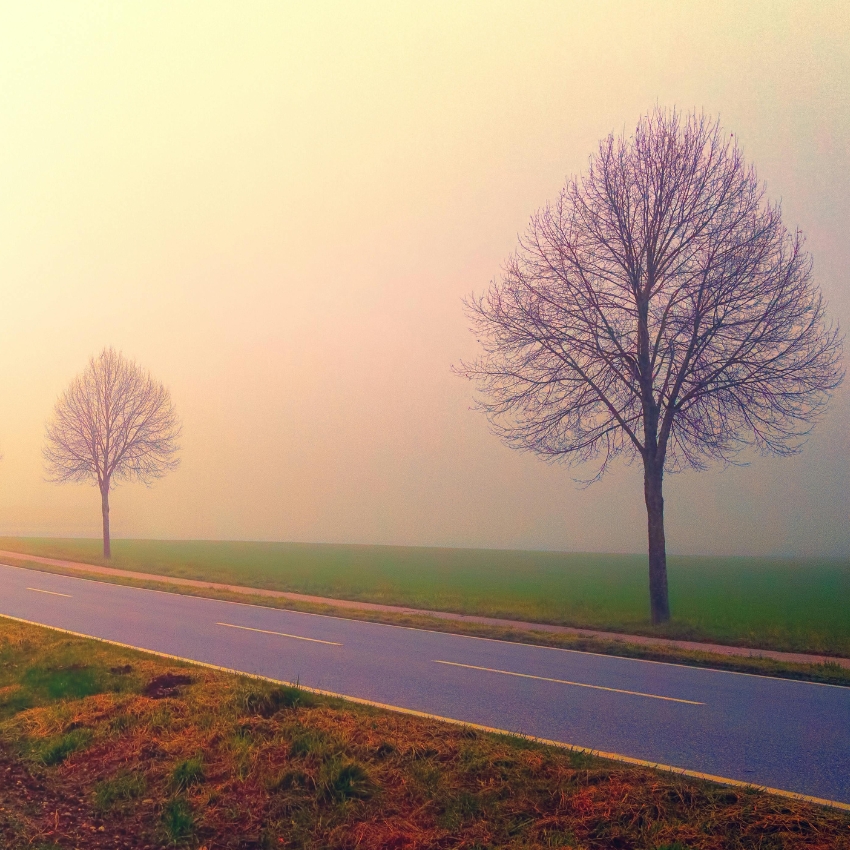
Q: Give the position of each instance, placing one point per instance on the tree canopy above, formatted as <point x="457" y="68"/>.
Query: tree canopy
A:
<point x="113" y="423"/>
<point x="658" y="309"/>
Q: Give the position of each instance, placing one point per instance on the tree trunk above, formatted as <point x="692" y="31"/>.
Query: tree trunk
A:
<point x="653" y="476"/>
<point x="104" y="506"/>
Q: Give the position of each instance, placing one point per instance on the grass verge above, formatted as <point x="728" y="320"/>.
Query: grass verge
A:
<point x="829" y="673"/>
<point x="217" y="760"/>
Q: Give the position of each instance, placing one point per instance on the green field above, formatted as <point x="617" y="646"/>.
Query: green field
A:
<point x="793" y="604"/>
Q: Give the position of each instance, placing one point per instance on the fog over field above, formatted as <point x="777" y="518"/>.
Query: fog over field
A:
<point x="277" y="208"/>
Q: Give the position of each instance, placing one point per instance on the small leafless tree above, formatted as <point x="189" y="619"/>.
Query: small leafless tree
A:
<point x="113" y="423"/>
<point x="658" y="309"/>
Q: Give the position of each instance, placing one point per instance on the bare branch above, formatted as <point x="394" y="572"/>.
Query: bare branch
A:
<point x="658" y="306"/>
<point x="113" y="423"/>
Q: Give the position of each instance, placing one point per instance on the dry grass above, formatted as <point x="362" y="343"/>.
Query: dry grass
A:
<point x="87" y="760"/>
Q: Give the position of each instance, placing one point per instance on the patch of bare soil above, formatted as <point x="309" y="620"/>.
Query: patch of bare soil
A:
<point x="167" y="685"/>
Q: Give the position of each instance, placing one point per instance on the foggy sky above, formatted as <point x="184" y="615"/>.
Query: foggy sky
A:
<point x="276" y="209"/>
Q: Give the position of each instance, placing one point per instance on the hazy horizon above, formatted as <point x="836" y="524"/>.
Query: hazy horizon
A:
<point x="276" y="209"/>
<point x="640" y="555"/>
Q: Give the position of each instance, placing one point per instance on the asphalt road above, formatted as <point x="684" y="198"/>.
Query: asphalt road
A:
<point x="793" y="736"/>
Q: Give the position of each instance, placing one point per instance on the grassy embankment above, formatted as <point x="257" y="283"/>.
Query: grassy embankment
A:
<point x="793" y="605"/>
<point x="102" y="747"/>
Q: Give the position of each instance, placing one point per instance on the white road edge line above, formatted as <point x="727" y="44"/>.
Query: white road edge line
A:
<point x="566" y="682"/>
<point x="51" y="592"/>
<point x="279" y="634"/>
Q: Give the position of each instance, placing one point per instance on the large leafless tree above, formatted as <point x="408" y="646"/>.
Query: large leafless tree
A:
<point x="660" y="310"/>
<point x="113" y="423"/>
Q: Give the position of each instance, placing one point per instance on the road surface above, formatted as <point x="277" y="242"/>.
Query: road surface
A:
<point x="787" y="735"/>
<point x="524" y="625"/>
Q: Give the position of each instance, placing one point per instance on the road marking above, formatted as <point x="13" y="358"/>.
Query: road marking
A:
<point x="561" y="745"/>
<point x="566" y="682"/>
<point x="280" y="634"/>
<point x="51" y="592"/>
